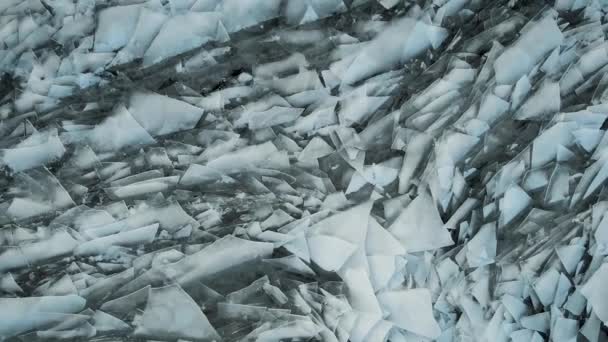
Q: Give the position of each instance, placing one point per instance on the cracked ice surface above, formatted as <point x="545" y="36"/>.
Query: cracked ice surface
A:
<point x="303" y="170"/>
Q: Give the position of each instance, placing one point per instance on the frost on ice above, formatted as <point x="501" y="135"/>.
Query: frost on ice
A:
<point x="303" y="170"/>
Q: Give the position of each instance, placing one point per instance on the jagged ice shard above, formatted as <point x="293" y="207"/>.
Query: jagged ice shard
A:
<point x="303" y="170"/>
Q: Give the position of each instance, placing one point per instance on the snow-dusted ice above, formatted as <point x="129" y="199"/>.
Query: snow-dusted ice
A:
<point x="303" y="170"/>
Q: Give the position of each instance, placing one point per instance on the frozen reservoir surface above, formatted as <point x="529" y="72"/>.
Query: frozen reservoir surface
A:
<point x="303" y="170"/>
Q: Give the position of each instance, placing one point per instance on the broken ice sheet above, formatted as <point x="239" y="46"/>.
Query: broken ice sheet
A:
<point x="179" y="164"/>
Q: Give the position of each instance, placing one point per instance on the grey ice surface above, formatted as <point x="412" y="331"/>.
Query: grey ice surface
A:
<point x="304" y="170"/>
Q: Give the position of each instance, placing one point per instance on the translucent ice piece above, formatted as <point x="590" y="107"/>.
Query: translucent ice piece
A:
<point x="148" y="25"/>
<point x="411" y="310"/>
<point x="330" y="252"/>
<point x="385" y="51"/>
<point x="141" y="188"/>
<point x="57" y="287"/>
<point x="60" y="243"/>
<point x="106" y="323"/>
<point x="415" y="153"/>
<point x="43" y="194"/>
<point x="546" y="285"/>
<point x="481" y="250"/>
<point x="238" y="14"/>
<point x="513" y="204"/>
<point x="272" y="117"/>
<point x="520" y="58"/>
<point x="296" y="329"/>
<point x="38" y="149"/>
<point x="220" y="256"/>
<point x="9" y="285"/>
<point x="23" y="314"/>
<point x="152" y="110"/>
<point x="595" y="291"/>
<point x="115" y="132"/>
<point x="292" y="264"/>
<point x="129" y="238"/>
<point x="171" y="313"/>
<point x="115" y="26"/>
<point x="380" y="242"/>
<point x="194" y="30"/>
<point x="545" y="101"/>
<point x="419" y="226"/>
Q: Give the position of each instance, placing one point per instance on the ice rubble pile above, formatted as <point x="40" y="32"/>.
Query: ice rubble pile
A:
<point x="303" y="170"/>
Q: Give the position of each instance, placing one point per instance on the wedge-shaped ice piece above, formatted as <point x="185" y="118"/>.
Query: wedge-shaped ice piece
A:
<point x="358" y="108"/>
<point x="518" y="59"/>
<point x="379" y="241"/>
<point x="544" y="147"/>
<point x="564" y="330"/>
<point x="538" y="322"/>
<point x="107" y="286"/>
<point x="254" y="155"/>
<point x="315" y="149"/>
<point x="591" y="329"/>
<point x="222" y="255"/>
<point x="570" y="256"/>
<point x="272" y="117"/>
<point x="237" y="15"/>
<point x="390" y="48"/>
<point x="172" y="314"/>
<point x="58" y="244"/>
<point x="153" y="111"/>
<point x="382" y="269"/>
<point x="169" y="215"/>
<point x="453" y="147"/>
<point x="319" y="118"/>
<point x="601" y="233"/>
<point x="115" y="25"/>
<point x="419" y="226"/>
<point x="57" y="287"/>
<point x="545" y="101"/>
<point x="521" y="335"/>
<point x="141" y="188"/>
<point x="298" y="83"/>
<point x="129" y="238"/>
<point x="126" y="305"/>
<point x="246" y="312"/>
<point x="411" y="310"/>
<point x="292" y="264"/>
<point x="198" y="175"/>
<point x="418" y="146"/>
<point x="115" y="132"/>
<point x="148" y="24"/>
<point x="83" y="331"/>
<point x="596" y="291"/>
<point x="481" y="250"/>
<point x="513" y="204"/>
<point x="379" y="175"/>
<point x="194" y="30"/>
<point x="546" y="285"/>
<point x="106" y="323"/>
<point x="296" y="329"/>
<point x="362" y="326"/>
<point x="19" y="315"/>
<point x="360" y="291"/>
<point x="330" y="252"/>
<point x="349" y="225"/>
<point x="9" y="285"/>
<point x="36" y="150"/>
<point x="42" y="193"/>
<point x="83" y="217"/>
<point x="514" y="306"/>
